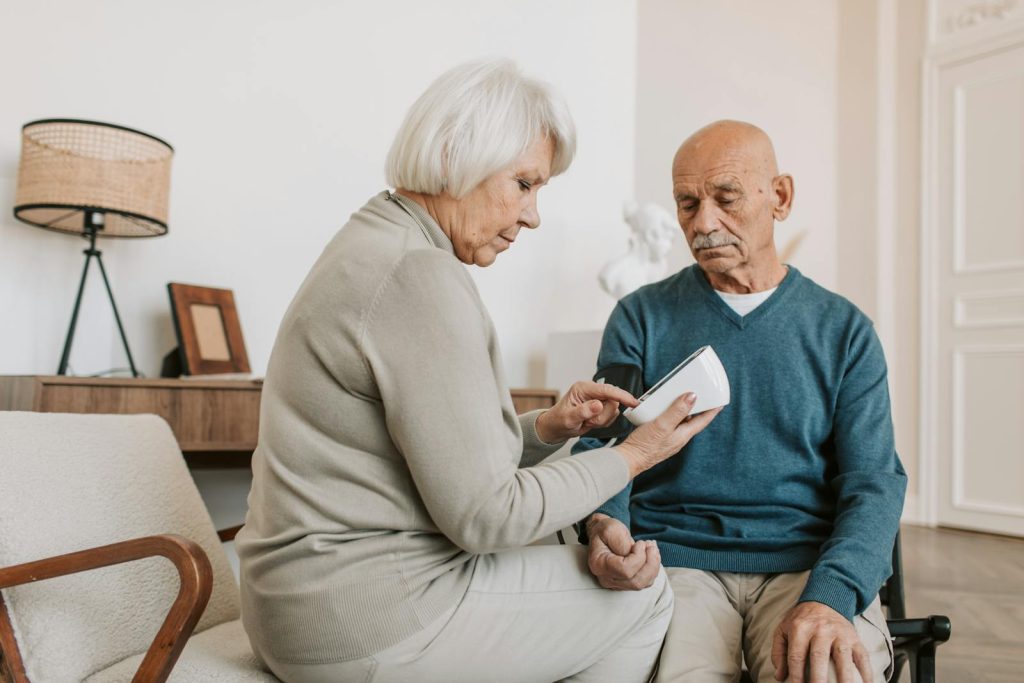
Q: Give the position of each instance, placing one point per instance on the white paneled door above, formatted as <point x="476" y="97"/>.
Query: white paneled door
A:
<point x="977" y="304"/>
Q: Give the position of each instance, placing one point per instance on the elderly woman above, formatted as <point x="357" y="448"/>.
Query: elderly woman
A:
<point x="394" y="487"/>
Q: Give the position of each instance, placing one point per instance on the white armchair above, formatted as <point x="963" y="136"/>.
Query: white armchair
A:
<point x="91" y="509"/>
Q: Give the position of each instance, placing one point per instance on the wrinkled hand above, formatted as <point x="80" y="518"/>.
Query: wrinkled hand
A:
<point x="616" y="560"/>
<point x="585" y="406"/>
<point x="808" y="636"/>
<point x="665" y="435"/>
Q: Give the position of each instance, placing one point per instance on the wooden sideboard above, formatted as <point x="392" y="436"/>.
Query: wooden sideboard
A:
<point x="216" y="421"/>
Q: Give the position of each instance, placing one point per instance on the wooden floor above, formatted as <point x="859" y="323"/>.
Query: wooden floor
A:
<point x="977" y="581"/>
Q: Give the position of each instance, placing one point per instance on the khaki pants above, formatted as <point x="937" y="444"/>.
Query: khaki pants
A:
<point x="534" y="615"/>
<point x="722" y="619"/>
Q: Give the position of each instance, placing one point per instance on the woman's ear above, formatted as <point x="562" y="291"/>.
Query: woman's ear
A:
<point x="782" y="190"/>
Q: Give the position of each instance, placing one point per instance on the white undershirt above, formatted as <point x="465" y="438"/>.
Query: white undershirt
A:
<point x="745" y="303"/>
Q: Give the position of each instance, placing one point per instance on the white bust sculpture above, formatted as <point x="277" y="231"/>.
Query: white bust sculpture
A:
<point x="653" y="229"/>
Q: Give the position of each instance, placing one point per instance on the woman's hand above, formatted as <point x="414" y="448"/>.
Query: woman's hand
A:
<point x="664" y="436"/>
<point x="585" y="406"/>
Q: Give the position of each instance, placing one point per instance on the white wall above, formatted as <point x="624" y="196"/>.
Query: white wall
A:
<point x="771" y="63"/>
<point x="281" y="115"/>
<point x="905" y="362"/>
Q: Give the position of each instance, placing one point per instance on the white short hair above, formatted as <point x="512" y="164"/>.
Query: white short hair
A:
<point x="472" y="122"/>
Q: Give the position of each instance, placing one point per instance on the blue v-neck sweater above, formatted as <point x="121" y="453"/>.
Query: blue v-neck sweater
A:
<point x="799" y="471"/>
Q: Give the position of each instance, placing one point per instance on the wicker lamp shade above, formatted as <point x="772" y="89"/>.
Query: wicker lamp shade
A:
<point x="71" y="169"/>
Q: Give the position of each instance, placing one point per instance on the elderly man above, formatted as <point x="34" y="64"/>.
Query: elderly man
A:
<point x="776" y="524"/>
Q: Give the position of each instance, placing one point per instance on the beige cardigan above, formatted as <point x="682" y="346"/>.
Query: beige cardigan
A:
<point x="389" y="453"/>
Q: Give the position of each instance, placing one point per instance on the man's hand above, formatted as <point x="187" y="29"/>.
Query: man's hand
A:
<point x="586" y="406"/>
<point x="619" y="562"/>
<point x="808" y="636"/>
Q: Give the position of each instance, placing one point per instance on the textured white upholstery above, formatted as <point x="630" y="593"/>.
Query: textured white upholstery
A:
<point x="221" y="653"/>
<point x="71" y="482"/>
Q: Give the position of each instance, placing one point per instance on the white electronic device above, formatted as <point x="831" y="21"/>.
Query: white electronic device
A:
<point x="702" y="373"/>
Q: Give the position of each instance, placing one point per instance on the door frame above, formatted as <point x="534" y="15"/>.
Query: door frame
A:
<point x="935" y="62"/>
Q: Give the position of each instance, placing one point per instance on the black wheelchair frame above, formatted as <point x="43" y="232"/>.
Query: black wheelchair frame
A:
<point x="914" y="640"/>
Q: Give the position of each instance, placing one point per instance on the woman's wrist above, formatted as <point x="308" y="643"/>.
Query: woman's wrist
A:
<point x="543" y="428"/>
<point x="634" y="459"/>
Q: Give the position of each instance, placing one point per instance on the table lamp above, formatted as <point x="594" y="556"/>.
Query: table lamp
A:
<point x="94" y="180"/>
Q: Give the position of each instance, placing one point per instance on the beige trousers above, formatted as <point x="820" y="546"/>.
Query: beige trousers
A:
<point x="722" y="619"/>
<point x="534" y="615"/>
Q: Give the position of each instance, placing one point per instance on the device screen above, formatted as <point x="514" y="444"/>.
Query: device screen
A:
<point x="672" y="374"/>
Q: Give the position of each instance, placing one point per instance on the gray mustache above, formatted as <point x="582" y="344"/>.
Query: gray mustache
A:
<point x="712" y="240"/>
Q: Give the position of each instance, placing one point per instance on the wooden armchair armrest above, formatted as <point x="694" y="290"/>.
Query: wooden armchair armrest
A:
<point x="196" y="584"/>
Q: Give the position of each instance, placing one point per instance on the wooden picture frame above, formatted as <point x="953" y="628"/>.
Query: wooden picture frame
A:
<point x="209" y="334"/>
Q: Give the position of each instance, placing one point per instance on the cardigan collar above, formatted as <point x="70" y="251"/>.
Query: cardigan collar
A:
<point x="431" y="230"/>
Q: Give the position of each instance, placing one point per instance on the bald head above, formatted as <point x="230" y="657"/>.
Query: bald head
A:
<point x="728" y="194"/>
<point x="727" y="139"/>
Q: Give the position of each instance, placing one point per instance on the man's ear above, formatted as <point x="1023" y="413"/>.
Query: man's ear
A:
<point x="782" y="189"/>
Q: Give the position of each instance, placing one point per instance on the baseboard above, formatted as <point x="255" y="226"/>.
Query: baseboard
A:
<point x="912" y="513"/>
